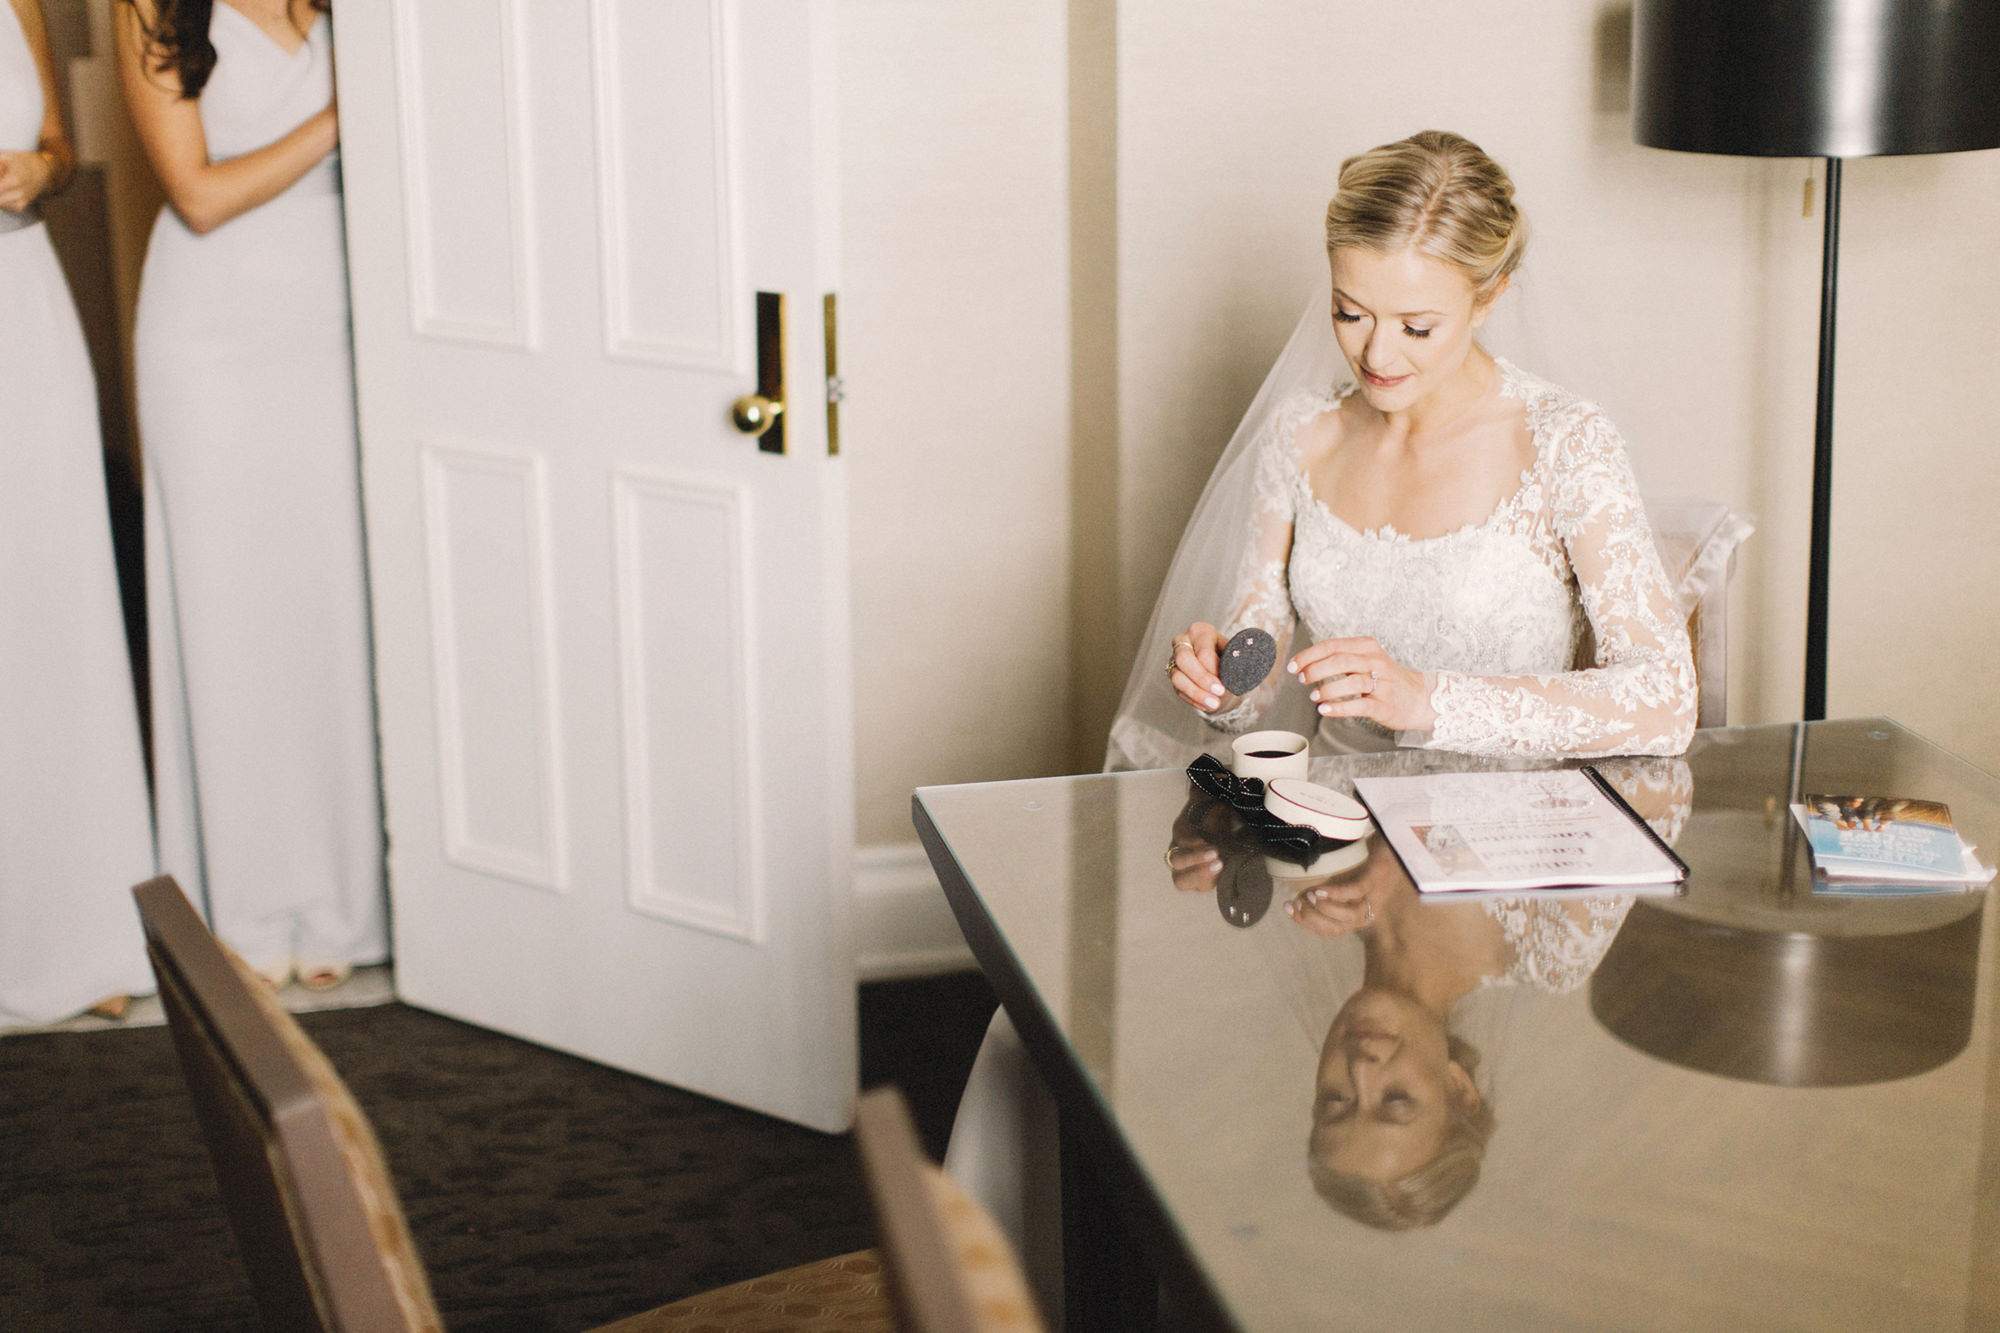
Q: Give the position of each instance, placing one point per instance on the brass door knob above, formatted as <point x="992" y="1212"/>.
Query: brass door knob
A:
<point x="753" y="413"/>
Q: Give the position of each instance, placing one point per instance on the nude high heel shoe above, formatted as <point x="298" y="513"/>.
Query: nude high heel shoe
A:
<point x="112" y="1007"/>
<point x="324" y="976"/>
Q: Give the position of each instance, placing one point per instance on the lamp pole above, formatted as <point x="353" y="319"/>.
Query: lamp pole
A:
<point x="1822" y="485"/>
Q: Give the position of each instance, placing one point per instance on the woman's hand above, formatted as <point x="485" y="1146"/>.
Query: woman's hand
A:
<point x="1332" y="910"/>
<point x="1195" y="866"/>
<point x="24" y="178"/>
<point x="1197" y="651"/>
<point x="1354" y="899"/>
<point x="45" y="168"/>
<point x="1355" y="678"/>
<point x="1192" y="856"/>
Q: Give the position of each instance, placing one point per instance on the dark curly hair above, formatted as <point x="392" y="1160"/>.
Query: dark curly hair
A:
<point x="177" y="40"/>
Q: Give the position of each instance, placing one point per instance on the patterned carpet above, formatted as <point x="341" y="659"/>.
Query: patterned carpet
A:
<point x="546" y="1193"/>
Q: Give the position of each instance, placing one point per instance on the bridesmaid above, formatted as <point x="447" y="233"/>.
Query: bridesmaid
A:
<point x="75" y="835"/>
<point x="264" y="734"/>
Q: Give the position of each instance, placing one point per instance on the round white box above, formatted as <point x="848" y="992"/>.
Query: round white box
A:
<point x="1329" y="813"/>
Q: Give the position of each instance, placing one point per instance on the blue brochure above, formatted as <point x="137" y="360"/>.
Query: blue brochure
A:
<point x="1886" y="839"/>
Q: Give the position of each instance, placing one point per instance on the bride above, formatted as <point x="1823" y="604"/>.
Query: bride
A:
<point x="1464" y="542"/>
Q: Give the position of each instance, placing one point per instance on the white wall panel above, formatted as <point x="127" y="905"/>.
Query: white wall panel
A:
<point x="686" y="672"/>
<point x="665" y="203"/>
<point x="500" y="769"/>
<point x="460" y="66"/>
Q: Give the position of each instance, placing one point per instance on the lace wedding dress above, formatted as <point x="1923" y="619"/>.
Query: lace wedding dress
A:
<point x="1557" y="943"/>
<point x="1500" y="613"/>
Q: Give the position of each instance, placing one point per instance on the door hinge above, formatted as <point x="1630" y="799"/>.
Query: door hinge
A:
<point x="836" y="392"/>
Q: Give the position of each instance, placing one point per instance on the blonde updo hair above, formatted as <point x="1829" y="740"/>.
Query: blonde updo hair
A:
<point x="1436" y="191"/>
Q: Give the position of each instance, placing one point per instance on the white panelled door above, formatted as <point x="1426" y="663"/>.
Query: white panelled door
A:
<point x="611" y="630"/>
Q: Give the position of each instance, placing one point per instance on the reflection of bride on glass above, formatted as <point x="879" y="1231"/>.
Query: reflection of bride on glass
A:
<point x="1399" y="1124"/>
<point x="1402" y="1113"/>
<point x="1463" y="542"/>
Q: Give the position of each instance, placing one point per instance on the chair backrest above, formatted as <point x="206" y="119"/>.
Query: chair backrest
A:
<point x="1697" y="541"/>
<point x="309" y="1198"/>
<point x="949" y="1266"/>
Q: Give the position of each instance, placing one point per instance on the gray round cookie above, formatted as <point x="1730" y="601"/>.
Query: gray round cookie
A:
<point x="1246" y="660"/>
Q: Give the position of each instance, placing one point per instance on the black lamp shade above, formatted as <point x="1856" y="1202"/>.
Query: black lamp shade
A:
<point x="1816" y="78"/>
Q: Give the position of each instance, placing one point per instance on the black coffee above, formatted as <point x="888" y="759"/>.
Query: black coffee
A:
<point x="1272" y="754"/>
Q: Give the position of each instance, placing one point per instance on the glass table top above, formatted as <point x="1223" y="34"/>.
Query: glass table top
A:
<point x="1749" y="1105"/>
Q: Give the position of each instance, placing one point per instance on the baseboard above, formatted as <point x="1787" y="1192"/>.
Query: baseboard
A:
<point x="903" y="926"/>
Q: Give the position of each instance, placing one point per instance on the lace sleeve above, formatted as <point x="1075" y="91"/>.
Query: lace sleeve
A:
<point x="1660" y="790"/>
<point x="1639" y="695"/>
<point x="1263" y="597"/>
<point x="1557" y="943"/>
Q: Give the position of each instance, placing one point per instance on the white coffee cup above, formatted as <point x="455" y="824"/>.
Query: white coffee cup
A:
<point x="1270" y="754"/>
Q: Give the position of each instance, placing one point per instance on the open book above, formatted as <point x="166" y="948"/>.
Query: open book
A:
<point x="1502" y="832"/>
<point x="1887" y="841"/>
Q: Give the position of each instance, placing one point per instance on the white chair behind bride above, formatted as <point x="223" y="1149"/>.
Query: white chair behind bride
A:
<point x="1698" y="540"/>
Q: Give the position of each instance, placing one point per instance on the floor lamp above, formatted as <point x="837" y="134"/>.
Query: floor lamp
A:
<point x="1817" y="78"/>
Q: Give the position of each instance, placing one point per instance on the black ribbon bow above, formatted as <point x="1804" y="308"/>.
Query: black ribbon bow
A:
<point x="1297" y="843"/>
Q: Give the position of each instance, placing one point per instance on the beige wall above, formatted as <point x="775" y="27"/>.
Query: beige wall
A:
<point x="955" y="355"/>
<point x="1916" y="554"/>
<point x="1680" y="291"/>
